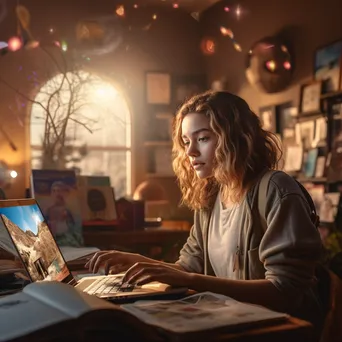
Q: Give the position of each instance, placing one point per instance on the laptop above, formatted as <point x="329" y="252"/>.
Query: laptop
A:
<point x="44" y="261"/>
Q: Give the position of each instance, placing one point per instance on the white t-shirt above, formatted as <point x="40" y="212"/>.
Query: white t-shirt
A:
<point x="223" y="239"/>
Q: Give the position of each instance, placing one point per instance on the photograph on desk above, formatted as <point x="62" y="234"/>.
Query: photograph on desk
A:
<point x="97" y="203"/>
<point x="57" y="195"/>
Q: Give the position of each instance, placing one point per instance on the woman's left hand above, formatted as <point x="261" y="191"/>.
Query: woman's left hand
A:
<point x="142" y="273"/>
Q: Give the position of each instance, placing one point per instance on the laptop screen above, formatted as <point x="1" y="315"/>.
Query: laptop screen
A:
<point x="33" y="240"/>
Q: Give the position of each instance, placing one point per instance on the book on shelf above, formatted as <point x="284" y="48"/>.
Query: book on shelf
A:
<point x="61" y="309"/>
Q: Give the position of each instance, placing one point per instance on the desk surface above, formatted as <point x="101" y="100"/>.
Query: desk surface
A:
<point x="292" y="330"/>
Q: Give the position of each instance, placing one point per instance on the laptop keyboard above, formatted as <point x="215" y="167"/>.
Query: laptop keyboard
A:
<point x="108" y="285"/>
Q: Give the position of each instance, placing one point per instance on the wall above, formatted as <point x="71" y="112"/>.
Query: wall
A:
<point x="307" y="24"/>
<point x="165" y="46"/>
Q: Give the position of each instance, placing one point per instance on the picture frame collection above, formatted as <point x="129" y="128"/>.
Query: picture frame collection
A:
<point x="311" y="133"/>
<point x="308" y="131"/>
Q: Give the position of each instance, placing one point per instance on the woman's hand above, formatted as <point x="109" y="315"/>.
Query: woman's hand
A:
<point x="145" y="272"/>
<point x="113" y="261"/>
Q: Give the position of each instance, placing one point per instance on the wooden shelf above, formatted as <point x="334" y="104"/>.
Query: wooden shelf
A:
<point x="331" y="94"/>
<point x="312" y="179"/>
<point x="156" y="143"/>
<point x="310" y="116"/>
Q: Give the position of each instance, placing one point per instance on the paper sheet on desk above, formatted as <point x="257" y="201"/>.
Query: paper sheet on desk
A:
<point x="202" y="311"/>
<point x="74" y="253"/>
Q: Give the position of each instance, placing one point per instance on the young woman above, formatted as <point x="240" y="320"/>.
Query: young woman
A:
<point x="220" y="153"/>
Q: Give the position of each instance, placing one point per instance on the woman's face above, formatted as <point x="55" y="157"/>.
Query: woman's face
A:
<point x="200" y="143"/>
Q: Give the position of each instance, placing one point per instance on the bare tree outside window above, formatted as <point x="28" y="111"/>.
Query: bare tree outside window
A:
<point x="78" y="121"/>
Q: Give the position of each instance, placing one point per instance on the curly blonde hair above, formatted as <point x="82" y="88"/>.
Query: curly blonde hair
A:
<point x="244" y="150"/>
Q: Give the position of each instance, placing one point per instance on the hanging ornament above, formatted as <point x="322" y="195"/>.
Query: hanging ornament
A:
<point x="229" y="33"/>
<point x="269" y="66"/>
<point x="208" y="46"/>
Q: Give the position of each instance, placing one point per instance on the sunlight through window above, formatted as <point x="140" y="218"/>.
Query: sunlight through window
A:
<point x="98" y="127"/>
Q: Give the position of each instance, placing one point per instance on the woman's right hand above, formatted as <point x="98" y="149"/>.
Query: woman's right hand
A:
<point x="113" y="261"/>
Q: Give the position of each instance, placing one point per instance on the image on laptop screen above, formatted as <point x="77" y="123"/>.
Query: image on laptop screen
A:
<point x="34" y="242"/>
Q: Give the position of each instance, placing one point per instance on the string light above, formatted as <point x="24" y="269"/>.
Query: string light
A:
<point x="287" y="65"/>
<point x="64" y="46"/>
<point x="175" y="5"/>
<point x="238" y="11"/>
<point x="120" y="11"/>
<point x="229" y="33"/>
<point x="271" y="65"/>
<point x="14" y="44"/>
<point x="13" y="174"/>
<point x="226" y="32"/>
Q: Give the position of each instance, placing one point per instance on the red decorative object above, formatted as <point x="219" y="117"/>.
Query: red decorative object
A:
<point x="208" y="46"/>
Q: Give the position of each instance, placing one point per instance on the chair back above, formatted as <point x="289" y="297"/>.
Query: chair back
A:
<point x="332" y="328"/>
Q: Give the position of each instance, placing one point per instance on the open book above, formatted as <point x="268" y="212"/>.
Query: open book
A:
<point x="201" y="312"/>
<point x="56" y="311"/>
<point x="45" y="310"/>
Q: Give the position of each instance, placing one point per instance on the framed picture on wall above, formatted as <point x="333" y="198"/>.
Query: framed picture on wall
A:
<point x="158" y="88"/>
<point x="307" y="133"/>
<point x="327" y="65"/>
<point x="287" y="117"/>
<point x="267" y="117"/>
<point x="186" y="86"/>
<point x="310" y="98"/>
<point x="321" y="131"/>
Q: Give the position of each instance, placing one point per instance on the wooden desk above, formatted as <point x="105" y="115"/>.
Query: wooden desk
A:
<point x="292" y="330"/>
<point x="166" y="242"/>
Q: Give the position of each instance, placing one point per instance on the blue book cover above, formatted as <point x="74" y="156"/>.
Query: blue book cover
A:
<point x="57" y="195"/>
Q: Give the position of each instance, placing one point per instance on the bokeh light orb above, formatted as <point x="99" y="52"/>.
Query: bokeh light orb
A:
<point x="14" y="44"/>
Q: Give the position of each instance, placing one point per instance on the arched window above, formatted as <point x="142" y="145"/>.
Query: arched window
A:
<point x="80" y="121"/>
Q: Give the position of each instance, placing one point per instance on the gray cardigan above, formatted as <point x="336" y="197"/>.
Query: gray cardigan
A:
<point x="286" y="253"/>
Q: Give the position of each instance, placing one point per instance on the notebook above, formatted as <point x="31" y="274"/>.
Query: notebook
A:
<point x="44" y="261"/>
